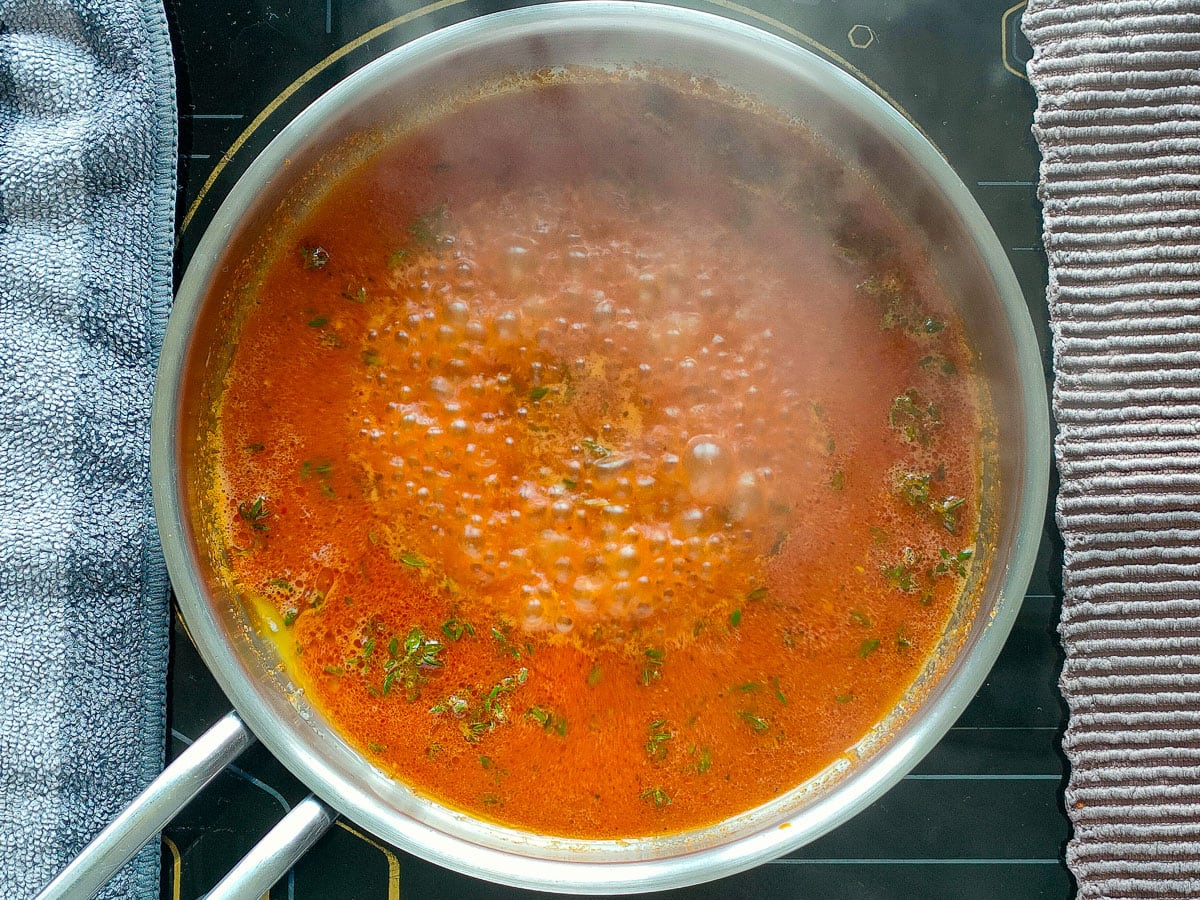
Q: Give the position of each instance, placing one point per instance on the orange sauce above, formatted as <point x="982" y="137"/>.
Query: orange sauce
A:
<point x="608" y="483"/>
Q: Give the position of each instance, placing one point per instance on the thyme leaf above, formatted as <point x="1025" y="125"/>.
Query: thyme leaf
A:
<point x="914" y="418"/>
<point x="759" y="724"/>
<point x="255" y="512"/>
<point x="656" y="743"/>
<point x="656" y="796"/>
<point x="652" y="665"/>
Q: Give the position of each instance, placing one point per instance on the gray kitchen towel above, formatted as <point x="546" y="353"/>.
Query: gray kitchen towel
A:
<point x="1118" y="122"/>
<point x="87" y="186"/>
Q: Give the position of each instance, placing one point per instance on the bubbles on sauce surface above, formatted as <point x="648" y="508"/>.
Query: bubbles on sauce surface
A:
<point x="595" y="433"/>
<point x="596" y="422"/>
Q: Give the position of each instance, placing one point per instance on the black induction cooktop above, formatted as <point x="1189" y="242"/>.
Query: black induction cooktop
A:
<point x="981" y="817"/>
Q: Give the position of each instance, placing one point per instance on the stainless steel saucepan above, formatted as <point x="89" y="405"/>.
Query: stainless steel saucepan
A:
<point x="914" y="178"/>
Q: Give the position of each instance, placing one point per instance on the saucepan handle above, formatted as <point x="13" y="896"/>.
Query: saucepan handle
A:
<point x="150" y="811"/>
<point x="271" y="857"/>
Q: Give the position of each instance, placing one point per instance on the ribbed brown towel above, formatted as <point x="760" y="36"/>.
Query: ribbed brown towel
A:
<point x="1118" y="121"/>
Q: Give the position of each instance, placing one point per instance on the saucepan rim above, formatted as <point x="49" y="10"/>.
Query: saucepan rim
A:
<point x="453" y="839"/>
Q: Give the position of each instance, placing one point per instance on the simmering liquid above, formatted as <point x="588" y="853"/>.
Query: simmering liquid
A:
<point x="605" y="456"/>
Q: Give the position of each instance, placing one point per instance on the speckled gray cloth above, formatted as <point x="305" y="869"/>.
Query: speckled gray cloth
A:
<point x="87" y="182"/>
<point x="1118" y="122"/>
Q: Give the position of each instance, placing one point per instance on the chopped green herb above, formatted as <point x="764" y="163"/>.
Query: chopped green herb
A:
<point x="371" y="357"/>
<point x="314" y="257"/>
<point x="735" y="618"/>
<point x="748" y="687"/>
<point x="953" y="563"/>
<point x="759" y="725"/>
<point x="474" y="731"/>
<point x="947" y="512"/>
<point x="914" y="418"/>
<point x="455" y="705"/>
<point x="407" y="663"/>
<point x="657" y="796"/>
<point x="254" y="512"/>
<point x="843" y="698"/>
<point x="937" y="363"/>
<point x="656" y="743"/>
<point x="282" y="584"/>
<point x="290" y="615"/>
<point x="454" y="629"/>
<point x="321" y="467"/>
<point x="902" y="575"/>
<point x="569" y="484"/>
<point x="867" y="647"/>
<point x="433" y="750"/>
<point x="779" y="695"/>
<point x="652" y="665"/>
<point x="358" y="295"/>
<point x="913" y="487"/>
<point x="900" y="310"/>
<point x="595" y="675"/>
<point x="318" y="322"/>
<point x="538" y="393"/>
<point x="758" y="593"/>
<point x="376" y="748"/>
<point x="492" y="705"/>
<point x="413" y="559"/>
<point x="397" y="258"/>
<point x="549" y="720"/>
<point x="902" y="641"/>
<point x="703" y="760"/>
<point x="860" y="618"/>
<point x="879" y="537"/>
<point x="505" y="645"/>
<point x="837" y="481"/>
<point x="255" y="448"/>
<point x="334" y="670"/>
<point x="595" y="448"/>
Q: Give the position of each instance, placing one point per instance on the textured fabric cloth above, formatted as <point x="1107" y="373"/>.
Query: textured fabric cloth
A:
<point x="1118" y="122"/>
<point x="87" y="184"/>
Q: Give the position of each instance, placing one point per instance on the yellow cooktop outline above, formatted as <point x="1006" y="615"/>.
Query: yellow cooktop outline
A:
<point x="391" y="24"/>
